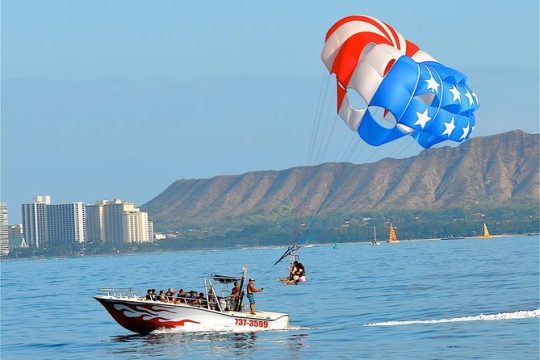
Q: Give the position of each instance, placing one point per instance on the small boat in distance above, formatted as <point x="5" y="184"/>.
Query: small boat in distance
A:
<point x="485" y="232"/>
<point x="212" y="310"/>
<point x="392" y="236"/>
<point x="374" y="240"/>
<point x="452" y="237"/>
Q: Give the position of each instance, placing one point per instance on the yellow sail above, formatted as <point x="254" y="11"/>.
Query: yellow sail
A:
<point x="485" y="232"/>
<point x="392" y="236"/>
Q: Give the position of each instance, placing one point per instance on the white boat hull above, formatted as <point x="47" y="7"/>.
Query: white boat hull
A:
<point x="144" y="316"/>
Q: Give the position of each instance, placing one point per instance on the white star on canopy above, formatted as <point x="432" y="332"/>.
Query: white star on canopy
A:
<point x="450" y="126"/>
<point x="432" y="84"/>
<point x="456" y="95"/>
<point x="465" y="132"/>
<point x="423" y="118"/>
<point x="469" y="96"/>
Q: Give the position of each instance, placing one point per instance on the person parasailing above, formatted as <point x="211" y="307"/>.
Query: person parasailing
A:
<point x="297" y="272"/>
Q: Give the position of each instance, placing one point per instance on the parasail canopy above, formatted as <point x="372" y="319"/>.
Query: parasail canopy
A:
<point x="405" y="91"/>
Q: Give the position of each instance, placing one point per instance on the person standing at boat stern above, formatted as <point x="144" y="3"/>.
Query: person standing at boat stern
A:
<point x="251" y="289"/>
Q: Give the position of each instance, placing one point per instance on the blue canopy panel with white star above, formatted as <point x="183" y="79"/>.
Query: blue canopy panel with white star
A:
<point x="429" y="101"/>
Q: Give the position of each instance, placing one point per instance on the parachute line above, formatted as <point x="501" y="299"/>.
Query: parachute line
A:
<point x="325" y="135"/>
<point x="342" y="165"/>
<point x="329" y="137"/>
<point x="318" y="115"/>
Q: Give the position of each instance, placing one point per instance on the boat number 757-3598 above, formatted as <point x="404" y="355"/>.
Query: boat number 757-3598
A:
<point x="251" y="322"/>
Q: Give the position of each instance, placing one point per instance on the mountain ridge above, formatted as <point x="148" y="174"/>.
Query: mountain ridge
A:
<point x="484" y="171"/>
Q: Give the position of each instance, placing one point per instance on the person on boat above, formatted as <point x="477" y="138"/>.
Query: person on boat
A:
<point x="181" y="297"/>
<point x="148" y="295"/>
<point x="235" y="296"/>
<point x="162" y="296"/>
<point x="202" y="299"/>
<point x="170" y="295"/>
<point x="235" y="292"/>
<point x="251" y="289"/>
<point x="193" y="298"/>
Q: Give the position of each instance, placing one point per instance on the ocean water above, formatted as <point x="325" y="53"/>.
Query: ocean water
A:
<point x="457" y="299"/>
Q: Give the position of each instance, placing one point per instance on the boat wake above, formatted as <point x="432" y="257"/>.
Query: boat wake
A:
<point x="527" y="314"/>
<point x="218" y="330"/>
<point x="206" y="329"/>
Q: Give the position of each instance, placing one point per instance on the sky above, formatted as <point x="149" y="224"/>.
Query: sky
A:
<point x="118" y="99"/>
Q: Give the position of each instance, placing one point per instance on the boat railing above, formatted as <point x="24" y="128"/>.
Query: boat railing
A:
<point x="213" y="300"/>
<point x="222" y="303"/>
<point x="119" y="292"/>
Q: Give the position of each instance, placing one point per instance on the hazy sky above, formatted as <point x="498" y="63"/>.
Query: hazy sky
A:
<point x="118" y="99"/>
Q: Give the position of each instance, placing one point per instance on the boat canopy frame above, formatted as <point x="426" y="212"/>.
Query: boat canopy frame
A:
<point x="224" y="279"/>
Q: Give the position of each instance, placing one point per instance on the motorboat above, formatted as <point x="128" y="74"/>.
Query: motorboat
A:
<point x="212" y="310"/>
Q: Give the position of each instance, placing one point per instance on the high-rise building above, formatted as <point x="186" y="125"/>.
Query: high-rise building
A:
<point x="135" y="225"/>
<point x="63" y="225"/>
<point x="151" y="230"/>
<point x="114" y="221"/>
<point x="117" y="222"/>
<point x="35" y="225"/>
<point x="4" y="230"/>
<point x="95" y="222"/>
<point x="58" y="225"/>
<point x="66" y="224"/>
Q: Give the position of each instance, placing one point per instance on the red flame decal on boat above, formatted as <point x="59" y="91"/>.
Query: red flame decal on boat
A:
<point x="147" y="315"/>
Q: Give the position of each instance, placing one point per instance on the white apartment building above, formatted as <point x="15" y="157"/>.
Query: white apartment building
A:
<point x="4" y="230"/>
<point x="35" y="227"/>
<point x="95" y="222"/>
<point x="53" y="225"/>
<point x="114" y="221"/>
<point x="135" y="225"/>
<point x="66" y="224"/>
<point x="118" y="222"/>
<point x="62" y="225"/>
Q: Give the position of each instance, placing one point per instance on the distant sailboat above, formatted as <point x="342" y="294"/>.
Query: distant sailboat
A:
<point x="392" y="236"/>
<point x="374" y="240"/>
<point x="485" y="232"/>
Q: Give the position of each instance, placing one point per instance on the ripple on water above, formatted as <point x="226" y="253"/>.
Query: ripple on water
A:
<point x="347" y="288"/>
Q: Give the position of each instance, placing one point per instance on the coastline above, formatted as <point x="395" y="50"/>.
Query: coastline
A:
<point x="247" y="247"/>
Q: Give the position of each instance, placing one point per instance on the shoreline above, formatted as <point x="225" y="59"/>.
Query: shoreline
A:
<point x="247" y="247"/>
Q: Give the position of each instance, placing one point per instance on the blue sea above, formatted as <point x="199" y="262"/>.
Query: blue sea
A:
<point x="456" y="299"/>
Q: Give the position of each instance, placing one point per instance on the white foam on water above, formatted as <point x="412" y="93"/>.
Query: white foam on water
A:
<point x="204" y="329"/>
<point x="526" y="314"/>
